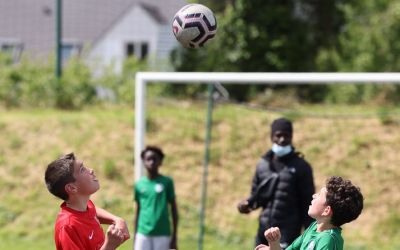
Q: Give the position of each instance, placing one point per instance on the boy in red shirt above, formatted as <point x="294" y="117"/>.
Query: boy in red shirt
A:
<point x="78" y="224"/>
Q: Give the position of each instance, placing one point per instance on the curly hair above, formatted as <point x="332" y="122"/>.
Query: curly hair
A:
<point x="156" y="150"/>
<point x="58" y="174"/>
<point x="345" y="199"/>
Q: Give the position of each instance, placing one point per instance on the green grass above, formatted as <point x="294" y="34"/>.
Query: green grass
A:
<point x="364" y="149"/>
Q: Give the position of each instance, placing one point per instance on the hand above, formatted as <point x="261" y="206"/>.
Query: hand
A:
<point x="243" y="207"/>
<point x="121" y="225"/>
<point x="114" y="238"/>
<point x="261" y="247"/>
<point x="273" y="235"/>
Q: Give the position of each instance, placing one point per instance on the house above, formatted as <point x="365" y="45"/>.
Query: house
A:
<point x="101" y="31"/>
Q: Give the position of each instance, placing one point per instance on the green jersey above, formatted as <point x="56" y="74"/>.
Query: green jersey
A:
<point x="153" y="196"/>
<point x="312" y="240"/>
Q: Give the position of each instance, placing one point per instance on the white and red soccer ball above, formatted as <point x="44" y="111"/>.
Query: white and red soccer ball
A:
<point x="194" y="25"/>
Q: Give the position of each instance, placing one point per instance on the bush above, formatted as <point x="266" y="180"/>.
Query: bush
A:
<point x="33" y="84"/>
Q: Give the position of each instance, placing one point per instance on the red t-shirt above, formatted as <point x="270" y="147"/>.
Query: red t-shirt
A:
<point x="75" y="230"/>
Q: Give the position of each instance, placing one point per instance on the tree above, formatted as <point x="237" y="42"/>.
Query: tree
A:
<point x="265" y="36"/>
<point x="368" y="43"/>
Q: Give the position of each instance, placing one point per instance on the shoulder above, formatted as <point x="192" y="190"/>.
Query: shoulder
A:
<point x="300" y="163"/>
<point x="263" y="164"/>
<point x="91" y="205"/>
<point x="64" y="217"/>
<point x="329" y="240"/>
<point x="140" y="181"/>
<point x="165" y="177"/>
<point x="65" y="227"/>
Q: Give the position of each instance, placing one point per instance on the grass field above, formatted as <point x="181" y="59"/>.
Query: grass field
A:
<point x="363" y="149"/>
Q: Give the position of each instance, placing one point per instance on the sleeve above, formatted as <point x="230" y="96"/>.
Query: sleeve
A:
<point x="68" y="239"/>
<point x="255" y="181"/>
<point x="296" y="244"/>
<point x="171" y="191"/>
<point x="255" y="200"/>
<point x="307" y="189"/>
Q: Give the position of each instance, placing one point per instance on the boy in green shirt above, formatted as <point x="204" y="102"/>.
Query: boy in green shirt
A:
<point x="337" y="203"/>
<point x="153" y="194"/>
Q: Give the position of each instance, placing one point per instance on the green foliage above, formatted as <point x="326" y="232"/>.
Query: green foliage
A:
<point x="328" y="36"/>
<point x="32" y="83"/>
<point x="25" y="83"/>
<point x="368" y="42"/>
<point x="122" y="85"/>
<point x="76" y="88"/>
<point x="252" y="36"/>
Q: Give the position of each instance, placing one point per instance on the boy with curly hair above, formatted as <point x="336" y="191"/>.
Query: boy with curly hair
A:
<point x="337" y="203"/>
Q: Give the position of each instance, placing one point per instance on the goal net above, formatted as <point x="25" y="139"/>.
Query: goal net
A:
<point x="143" y="78"/>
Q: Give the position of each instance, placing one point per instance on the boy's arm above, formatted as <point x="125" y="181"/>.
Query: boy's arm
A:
<point x="136" y="219"/>
<point x="106" y="217"/>
<point x="174" y="212"/>
<point x="262" y="247"/>
<point x="244" y="206"/>
<point x="114" y="237"/>
<point x="273" y="235"/>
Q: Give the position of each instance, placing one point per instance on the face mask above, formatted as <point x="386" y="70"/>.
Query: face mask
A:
<point x="281" y="150"/>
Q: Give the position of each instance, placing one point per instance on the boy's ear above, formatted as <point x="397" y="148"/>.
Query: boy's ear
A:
<point x="328" y="211"/>
<point x="70" y="188"/>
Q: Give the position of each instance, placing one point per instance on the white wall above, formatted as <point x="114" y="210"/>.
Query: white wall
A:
<point x="136" y="26"/>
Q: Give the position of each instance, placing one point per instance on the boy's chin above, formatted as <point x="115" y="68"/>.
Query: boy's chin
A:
<point x="96" y="188"/>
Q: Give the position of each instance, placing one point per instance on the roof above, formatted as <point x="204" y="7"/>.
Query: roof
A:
<point x="33" y="22"/>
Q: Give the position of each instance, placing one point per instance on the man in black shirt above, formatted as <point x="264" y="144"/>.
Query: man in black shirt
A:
<point x="282" y="186"/>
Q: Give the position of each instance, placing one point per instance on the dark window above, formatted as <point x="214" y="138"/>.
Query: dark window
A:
<point x="14" y="50"/>
<point x="7" y="48"/>
<point x="144" y="50"/>
<point x="138" y="49"/>
<point x="130" y="49"/>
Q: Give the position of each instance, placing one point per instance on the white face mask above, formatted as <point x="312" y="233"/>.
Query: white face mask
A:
<point x="281" y="150"/>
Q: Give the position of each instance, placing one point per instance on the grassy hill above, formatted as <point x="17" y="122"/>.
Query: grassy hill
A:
<point x="362" y="149"/>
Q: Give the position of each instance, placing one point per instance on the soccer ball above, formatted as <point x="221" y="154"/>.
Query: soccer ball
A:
<point x="194" y="25"/>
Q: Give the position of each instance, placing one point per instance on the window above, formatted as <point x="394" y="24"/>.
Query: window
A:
<point x="69" y="49"/>
<point x="143" y="50"/>
<point x="13" y="48"/>
<point x="138" y="49"/>
<point x="130" y="49"/>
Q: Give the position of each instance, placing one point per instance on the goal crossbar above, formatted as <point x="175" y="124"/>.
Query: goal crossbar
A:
<point x="142" y="78"/>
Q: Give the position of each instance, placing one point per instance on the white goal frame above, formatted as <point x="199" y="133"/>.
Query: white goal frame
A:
<point x="143" y="78"/>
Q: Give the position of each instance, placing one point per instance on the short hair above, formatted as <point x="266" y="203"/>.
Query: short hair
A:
<point x="58" y="174"/>
<point x="281" y="124"/>
<point x="155" y="149"/>
<point x="345" y="199"/>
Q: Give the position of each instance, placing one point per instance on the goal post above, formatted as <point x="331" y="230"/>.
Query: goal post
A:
<point x="143" y="78"/>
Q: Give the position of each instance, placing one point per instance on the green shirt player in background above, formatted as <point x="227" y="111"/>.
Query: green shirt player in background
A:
<point x="337" y="203"/>
<point x="154" y="194"/>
